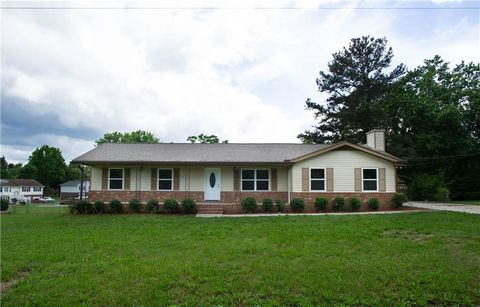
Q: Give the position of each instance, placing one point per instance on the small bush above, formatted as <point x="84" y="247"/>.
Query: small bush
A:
<point x="134" y="205"/>
<point x="280" y="205"/>
<point x="321" y="203"/>
<point x="249" y="204"/>
<point x="355" y="203"/>
<point x="297" y="204"/>
<point x="442" y="194"/>
<point x="152" y="205"/>
<point x="267" y="205"/>
<point x="4" y="204"/>
<point x="115" y="206"/>
<point x="188" y="205"/>
<point x="338" y="203"/>
<point x="82" y="207"/>
<point x="398" y="199"/>
<point x="170" y="205"/>
<point x="373" y="203"/>
<point x="99" y="206"/>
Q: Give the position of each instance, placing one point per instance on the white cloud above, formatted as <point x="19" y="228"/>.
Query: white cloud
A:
<point x="241" y="74"/>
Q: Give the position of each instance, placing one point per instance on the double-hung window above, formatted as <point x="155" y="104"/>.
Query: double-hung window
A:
<point x="37" y="189"/>
<point x="165" y="179"/>
<point x="370" y="179"/>
<point x="25" y="189"/>
<point x="317" y="179"/>
<point x="115" y="179"/>
<point x="255" y="180"/>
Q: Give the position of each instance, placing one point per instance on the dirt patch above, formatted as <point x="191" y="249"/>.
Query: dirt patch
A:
<point x="407" y="235"/>
<point x="5" y="285"/>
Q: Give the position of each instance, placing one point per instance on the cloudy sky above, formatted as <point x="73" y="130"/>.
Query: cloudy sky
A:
<point x="71" y="71"/>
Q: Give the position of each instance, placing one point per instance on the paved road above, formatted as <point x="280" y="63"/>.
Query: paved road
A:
<point x="475" y="209"/>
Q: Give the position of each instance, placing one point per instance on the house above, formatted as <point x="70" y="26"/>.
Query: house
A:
<point x="72" y="189"/>
<point x="20" y="189"/>
<point x="224" y="174"/>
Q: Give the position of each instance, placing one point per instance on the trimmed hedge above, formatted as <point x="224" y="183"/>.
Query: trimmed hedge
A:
<point x="373" y="203"/>
<point x="267" y="205"/>
<point x="399" y="199"/>
<point x="338" y="203"/>
<point x="188" y="205"/>
<point x="280" y="205"/>
<point x="152" y="205"/>
<point x="170" y="205"/>
<point x="297" y="204"/>
<point x="321" y="203"/>
<point x="115" y="206"/>
<point x="4" y="204"/>
<point x="355" y="203"/>
<point x="249" y="204"/>
<point x="134" y="205"/>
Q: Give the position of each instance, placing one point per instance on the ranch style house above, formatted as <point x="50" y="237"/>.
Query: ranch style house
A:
<point x="224" y="174"/>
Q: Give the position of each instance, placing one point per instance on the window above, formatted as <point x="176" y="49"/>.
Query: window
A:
<point x="37" y="189"/>
<point x="25" y="189"/>
<point x="115" y="179"/>
<point x="317" y="179"/>
<point x="165" y="179"/>
<point x="255" y="180"/>
<point x="369" y="179"/>
<point x="6" y="189"/>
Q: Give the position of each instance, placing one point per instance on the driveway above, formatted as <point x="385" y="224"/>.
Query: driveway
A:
<point x="475" y="209"/>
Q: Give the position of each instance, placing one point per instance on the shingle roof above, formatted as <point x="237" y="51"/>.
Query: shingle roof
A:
<point x="20" y="183"/>
<point x="196" y="153"/>
<point x="73" y="183"/>
<point x="209" y="153"/>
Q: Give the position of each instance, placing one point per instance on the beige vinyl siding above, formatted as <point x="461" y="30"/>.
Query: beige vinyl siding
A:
<point x="282" y="179"/>
<point x="227" y="179"/>
<point x="96" y="178"/>
<point x="344" y="163"/>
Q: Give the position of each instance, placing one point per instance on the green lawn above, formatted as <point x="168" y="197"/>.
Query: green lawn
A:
<point x="465" y="202"/>
<point x="414" y="258"/>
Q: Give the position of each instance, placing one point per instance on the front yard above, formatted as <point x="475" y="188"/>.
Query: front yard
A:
<point x="52" y="258"/>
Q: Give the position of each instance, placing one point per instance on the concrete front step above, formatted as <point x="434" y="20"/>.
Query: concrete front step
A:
<point x="212" y="209"/>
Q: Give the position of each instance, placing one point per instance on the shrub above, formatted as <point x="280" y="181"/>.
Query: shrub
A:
<point x="373" y="203"/>
<point x="355" y="203"/>
<point x="338" y="203"/>
<point x="188" y="205"/>
<point x="152" y="205"/>
<point x="297" y="204"/>
<point x="280" y="205"/>
<point x="170" y="205"/>
<point x="398" y="199"/>
<point x="267" y="205"/>
<point x="426" y="187"/>
<point x="249" y="204"/>
<point x="442" y="194"/>
<point x="321" y="203"/>
<point x="134" y="205"/>
<point x="116" y="206"/>
<point x="81" y="207"/>
<point x="99" y="206"/>
<point x="4" y="204"/>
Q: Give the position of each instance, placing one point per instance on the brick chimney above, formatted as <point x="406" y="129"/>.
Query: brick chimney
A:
<point x="376" y="139"/>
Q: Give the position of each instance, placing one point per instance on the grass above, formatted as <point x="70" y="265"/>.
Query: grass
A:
<point x="465" y="202"/>
<point x="52" y="258"/>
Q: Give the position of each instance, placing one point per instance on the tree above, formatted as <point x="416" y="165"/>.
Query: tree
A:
<point x="139" y="136"/>
<point x="50" y="166"/>
<point x="205" y="139"/>
<point x="356" y="80"/>
<point x="28" y="172"/>
<point x="72" y="172"/>
<point x="4" y="174"/>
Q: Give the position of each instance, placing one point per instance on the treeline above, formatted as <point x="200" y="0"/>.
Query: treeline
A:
<point x="46" y="165"/>
<point x="431" y="115"/>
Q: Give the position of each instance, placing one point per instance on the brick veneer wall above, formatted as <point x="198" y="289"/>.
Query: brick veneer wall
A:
<point x="143" y="196"/>
<point x="309" y="198"/>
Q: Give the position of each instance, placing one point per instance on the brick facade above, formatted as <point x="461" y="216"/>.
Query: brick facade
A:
<point x="231" y="201"/>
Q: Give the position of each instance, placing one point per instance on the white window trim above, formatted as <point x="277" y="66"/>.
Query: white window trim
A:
<point x="40" y="189"/>
<point x="370" y="191"/>
<point x="255" y="179"/>
<point x="158" y="179"/>
<point x="29" y="189"/>
<point x="324" y="179"/>
<point x="123" y="178"/>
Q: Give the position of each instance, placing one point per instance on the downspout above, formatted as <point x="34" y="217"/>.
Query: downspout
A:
<point x="81" y="181"/>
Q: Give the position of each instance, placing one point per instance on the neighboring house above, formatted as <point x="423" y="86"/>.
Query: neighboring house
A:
<point x="20" y="189"/>
<point x="72" y="189"/>
<point x="227" y="173"/>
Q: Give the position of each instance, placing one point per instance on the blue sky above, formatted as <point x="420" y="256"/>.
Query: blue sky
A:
<point x="239" y="69"/>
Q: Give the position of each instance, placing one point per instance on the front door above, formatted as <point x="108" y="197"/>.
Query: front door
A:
<point x="212" y="184"/>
